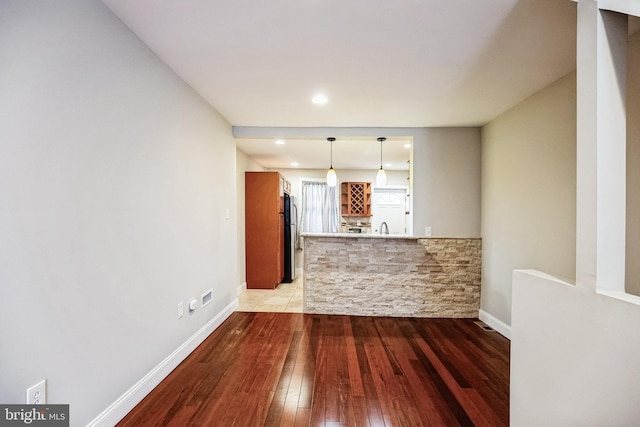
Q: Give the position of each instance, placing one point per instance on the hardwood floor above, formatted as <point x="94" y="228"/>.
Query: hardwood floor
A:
<point x="291" y="369"/>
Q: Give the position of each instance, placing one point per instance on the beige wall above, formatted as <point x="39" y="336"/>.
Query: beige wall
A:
<point x="446" y="182"/>
<point x="529" y="192"/>
<point x="633" y="167"/>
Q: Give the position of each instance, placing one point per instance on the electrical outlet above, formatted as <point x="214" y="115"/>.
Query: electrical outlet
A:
<point x="37" y="394"/>
<point x="427" y="231"/>
<point x="180" y="309"/>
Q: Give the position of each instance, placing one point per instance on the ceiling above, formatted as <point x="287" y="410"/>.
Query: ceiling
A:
<point x="315" y="153"/>
<point x="381" y="63"/>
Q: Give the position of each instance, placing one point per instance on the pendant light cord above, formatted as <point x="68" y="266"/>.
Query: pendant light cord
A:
<point x="381" y="139"/>
<point x="331" y="141"/>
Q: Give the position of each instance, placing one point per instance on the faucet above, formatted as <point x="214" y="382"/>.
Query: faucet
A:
<point x="386" y="228"/>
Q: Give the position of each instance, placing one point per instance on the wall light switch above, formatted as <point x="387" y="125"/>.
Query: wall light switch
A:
<point x="180" y="309"/>
<point x="226" y="213"/>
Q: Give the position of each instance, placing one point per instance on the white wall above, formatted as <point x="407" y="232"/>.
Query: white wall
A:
<point x="574" y="356"/>
<point x="115" y="181"/>
<point x="244" y="163"/>
<point x="529" y="193"/>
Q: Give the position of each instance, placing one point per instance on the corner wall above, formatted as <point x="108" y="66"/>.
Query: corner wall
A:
<point x="574" y="349"/>
<point x="529" y="193"/>
<point x="116" y="178"/>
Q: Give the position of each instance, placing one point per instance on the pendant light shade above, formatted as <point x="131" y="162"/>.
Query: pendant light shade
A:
<point x="332" y="178"/>
<point x="381" y="178"/>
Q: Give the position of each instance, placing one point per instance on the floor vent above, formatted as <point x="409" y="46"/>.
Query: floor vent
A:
<point x="206" y="297"/>
<point x="484" y="326"/>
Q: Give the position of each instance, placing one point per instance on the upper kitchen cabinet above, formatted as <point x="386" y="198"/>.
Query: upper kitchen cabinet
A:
<point x="355" y="198"/>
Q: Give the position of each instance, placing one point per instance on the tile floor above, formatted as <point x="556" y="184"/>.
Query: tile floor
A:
<point x="286" y="298"/>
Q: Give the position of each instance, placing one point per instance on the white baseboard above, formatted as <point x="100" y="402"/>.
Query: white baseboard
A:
<point x="241" y="287"/>
<point x="125" y="403"/>
<point x="497" y="324"/>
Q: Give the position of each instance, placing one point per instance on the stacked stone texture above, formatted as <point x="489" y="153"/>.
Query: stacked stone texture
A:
<point x="434" y="277"/>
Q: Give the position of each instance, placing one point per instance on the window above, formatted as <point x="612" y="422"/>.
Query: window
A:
<point x="319" y="208"/>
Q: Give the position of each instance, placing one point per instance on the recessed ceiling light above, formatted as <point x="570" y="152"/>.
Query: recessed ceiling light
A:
<point x="295" y="164"/>
<point x="319" y="99"/>
<point x="407" y="145"/>
<point x="279" y="142"/>
<point x="387" y="165"/>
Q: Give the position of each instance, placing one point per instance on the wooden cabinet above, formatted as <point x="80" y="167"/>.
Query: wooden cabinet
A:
<point x="264" y="228"/>
<point x="355" y="198"/>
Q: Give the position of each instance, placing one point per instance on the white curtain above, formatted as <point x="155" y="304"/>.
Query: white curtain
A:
<point x="319" y="208"/>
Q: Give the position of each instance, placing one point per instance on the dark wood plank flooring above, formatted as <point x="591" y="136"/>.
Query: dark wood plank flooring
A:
<point x="288" y="369"/>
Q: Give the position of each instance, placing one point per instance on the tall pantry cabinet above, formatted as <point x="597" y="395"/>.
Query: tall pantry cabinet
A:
<point x="264" y="229"/>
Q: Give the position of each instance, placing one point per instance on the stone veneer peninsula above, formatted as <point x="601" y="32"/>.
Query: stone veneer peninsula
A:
<point x="373" y="275"/>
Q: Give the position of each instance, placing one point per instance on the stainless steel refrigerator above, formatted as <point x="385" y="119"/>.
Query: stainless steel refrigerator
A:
<point x="290" y="238"/>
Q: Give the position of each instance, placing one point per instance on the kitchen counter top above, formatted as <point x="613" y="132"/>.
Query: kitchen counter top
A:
<point x="378" y="236"/>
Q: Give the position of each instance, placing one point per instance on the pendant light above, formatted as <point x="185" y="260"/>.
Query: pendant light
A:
<point x="332" y="178"/>
<point x="381" y="178"/>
